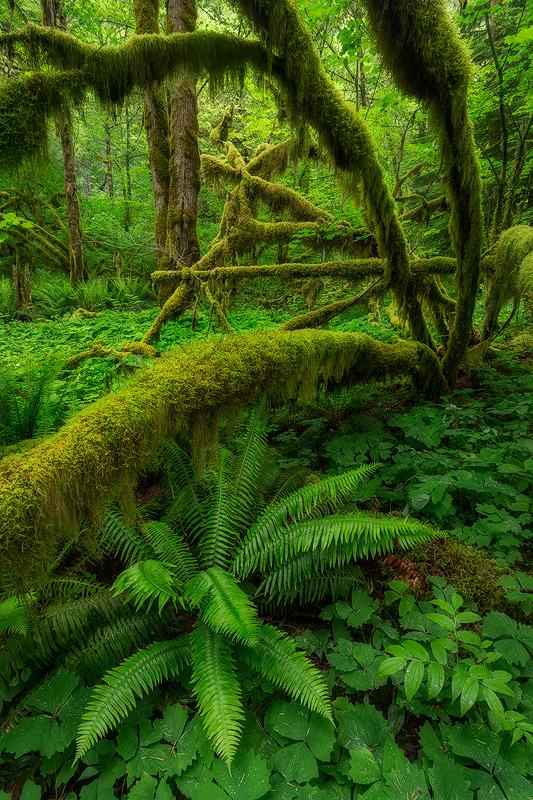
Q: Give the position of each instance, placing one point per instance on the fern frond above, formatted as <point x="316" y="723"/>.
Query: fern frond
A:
<point x="186" y="489"/>
<point x="217" y="689"/>
<point x="290" y="480"/>
<point x="273" y="522"/>
<point x="172" y="548"/>
<point x="14" y="616"/>
<point x="223" y="605"/>
<point x="114" y="642"/>
<point x="218" y="540"/>
<point x="124" y="539"/>
<point x="314" y="548"/>
<point x="135" y="677"/>
<point x="338" y="582"/>
<point x="147" y="582"/>
<point x="308" y="438"/>
<point x="248" y="467"/>
<point x="274" y="655"/>
<point x="70" y="620"/>
<point x="367" y="535"/>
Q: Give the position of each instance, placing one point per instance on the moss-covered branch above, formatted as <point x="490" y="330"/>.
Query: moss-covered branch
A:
<point x="44" y="493"/>
<point x="422" y="48"/>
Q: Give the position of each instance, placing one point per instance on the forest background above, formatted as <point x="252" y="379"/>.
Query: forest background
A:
<point x="422" y="674"/>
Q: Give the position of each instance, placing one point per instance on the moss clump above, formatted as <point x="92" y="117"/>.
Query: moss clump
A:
<point x="469" y="569"/>
<point x="513" y="274"/>
<point x="220" y="132"/>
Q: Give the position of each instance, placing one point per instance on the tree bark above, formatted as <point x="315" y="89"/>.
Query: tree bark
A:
<point x="157" y="131"/>
<point x="77" y="268"/>
<point x="53" y="16"/>
<point x="183" y="247"/>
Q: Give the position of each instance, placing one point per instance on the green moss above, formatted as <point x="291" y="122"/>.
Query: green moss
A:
<point x="513" y="274"/>
<point x="45" y="492"/>
<point x="220" y="132"/>
<point x="422" y="48"/>
<point x="469" y="569"/>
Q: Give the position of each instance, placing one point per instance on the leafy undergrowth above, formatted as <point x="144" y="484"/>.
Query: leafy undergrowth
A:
<point x="431" y="700"/>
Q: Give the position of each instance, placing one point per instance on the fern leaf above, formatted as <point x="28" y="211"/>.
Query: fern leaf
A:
<point x="188" y="492"/>
<point x="368" y="535"/>
<point x="124" y="539"/>
<point x="136" y="676"/>
<point x="223" y="605"/>
<point x="217" y="543"/>
<point x="276" y="658"/>
<point x="112" y="643"/>
<point x="217" y="689"/>
<point x="273" y="523"/>
<point x="14" y="616"/>
<point x="314" y="547"/>
<point x="248" y="467"/>
<point x="172" y="548"/>
<point x="147" y="582"/>
<point x="71" y="619"/>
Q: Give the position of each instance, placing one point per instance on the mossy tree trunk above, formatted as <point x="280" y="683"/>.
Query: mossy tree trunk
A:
<point x="157" y="131"/>
<point x="183" y="247"/>
<point x="53" y="16"/>
<point x="77" y="267"/>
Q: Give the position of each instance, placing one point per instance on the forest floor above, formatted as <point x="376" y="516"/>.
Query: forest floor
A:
<point x="428" y="658"/>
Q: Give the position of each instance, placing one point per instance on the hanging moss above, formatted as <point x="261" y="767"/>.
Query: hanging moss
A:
<point x="422" y="48"/>
<point x="45" y="492"/>
<point x="513" y="274"/>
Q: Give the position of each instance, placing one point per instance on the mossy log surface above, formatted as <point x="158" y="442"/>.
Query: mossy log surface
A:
<point x="45" y="492"/>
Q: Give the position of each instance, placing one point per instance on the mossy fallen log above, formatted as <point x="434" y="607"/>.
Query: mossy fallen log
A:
<point x="46" y="492"/>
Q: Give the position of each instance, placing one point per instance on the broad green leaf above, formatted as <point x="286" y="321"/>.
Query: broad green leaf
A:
<point x="467" y="616"/>
<point x="144" y="789"/>
<point x="399" y="650"/>
<point x="296" y="763"/>
<point x="469" y="694"/>
<point x="416" y="649"/>
<point x="363" y="766"/>
<point x="458" y="681"/>
<point x="497" y="625"/>
<point x="512" y="651"/>
<point x="457" y="601"/>
<point x="54" y="692"/>
<point x="440" y="619"/>
<point x="249" y="778"/>
<point x="33" y="733"/>
<point x="447" y="782"/>
<point x="414" y="675"/>
<point x="404" y="780"/>
<point x="321" y="737"/>
<point x="362" y="725"/>
<point x="363" y="608"/>
<point x="31" y="791"/>
<point x="435" y="679"/>
<point x="391" y="665"/>
<point x="171" y="726"/>
<point x="289" y="719"/>
<point x="495" y="704"/>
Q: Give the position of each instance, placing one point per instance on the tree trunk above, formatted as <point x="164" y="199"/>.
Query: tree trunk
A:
<point x="108" y="162"/>
<point x="77" y="270"/>
<point x="157" y="131"/>
<point x="184" y="171"/>
<point x="53" y="16"/>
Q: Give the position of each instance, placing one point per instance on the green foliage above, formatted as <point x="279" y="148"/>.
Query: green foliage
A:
<point x="219" y="545"/>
